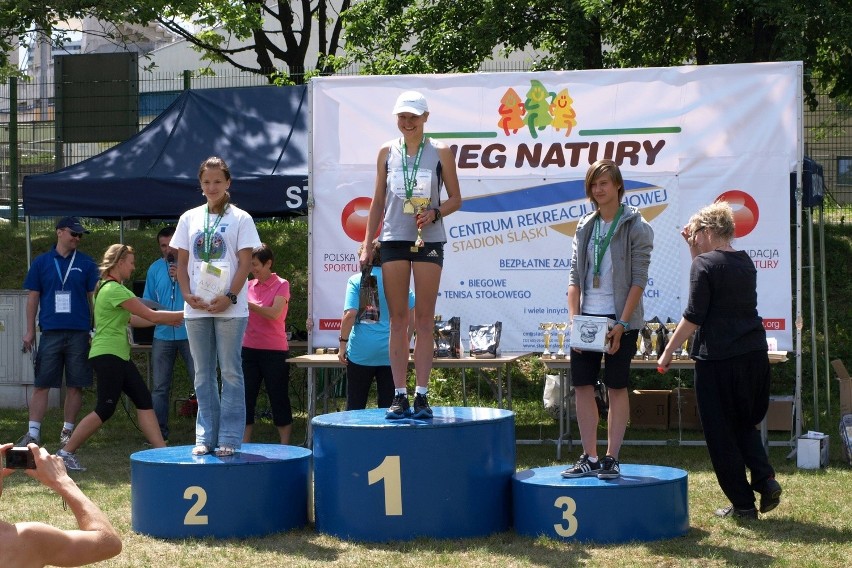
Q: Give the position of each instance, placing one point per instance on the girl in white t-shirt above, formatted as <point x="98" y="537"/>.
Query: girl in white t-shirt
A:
<point x="214" y="243"/>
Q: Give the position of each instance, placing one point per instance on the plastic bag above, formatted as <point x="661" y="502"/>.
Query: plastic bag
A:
<point x="447" y="337"/>
<point x="485" y="340"/>
<point x="368" y="298"/>
<point x="551" y="396"/>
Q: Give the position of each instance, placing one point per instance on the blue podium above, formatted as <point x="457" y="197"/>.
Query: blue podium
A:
<point x="646" y="503"/>
<point x="380" y="480"/>
<point x="262" y="489"/>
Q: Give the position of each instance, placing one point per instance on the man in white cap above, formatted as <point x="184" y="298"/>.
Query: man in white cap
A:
<point x="61" y="283"/>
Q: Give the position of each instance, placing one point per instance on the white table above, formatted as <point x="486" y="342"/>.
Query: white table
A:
<point x="563" y="367"/>
<point x="501" y="363"/>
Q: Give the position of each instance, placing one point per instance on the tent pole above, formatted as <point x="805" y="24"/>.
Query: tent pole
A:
<point x="800" y="150"/>
<point x="27" y="230"/>
<point x="814" y="352"/>
<point x="824" y="310"/>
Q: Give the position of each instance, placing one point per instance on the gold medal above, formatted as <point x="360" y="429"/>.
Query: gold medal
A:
<point x="408" y="207"/>
<point x="596" y="281"/>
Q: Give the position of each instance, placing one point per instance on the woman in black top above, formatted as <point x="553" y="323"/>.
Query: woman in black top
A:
<point x="731" y="360"/>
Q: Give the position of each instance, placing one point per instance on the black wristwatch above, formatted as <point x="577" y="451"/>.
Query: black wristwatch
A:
<point x="231" y="296"/>
<point x="437" y="214"/>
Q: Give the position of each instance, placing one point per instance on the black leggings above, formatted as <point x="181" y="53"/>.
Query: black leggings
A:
<point x="359" y="379"/>
<point x="115" y="375"/>
<point x="270" y="367"/>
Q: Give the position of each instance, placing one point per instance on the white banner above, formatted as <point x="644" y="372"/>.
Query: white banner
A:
<point x="683" y="137"/>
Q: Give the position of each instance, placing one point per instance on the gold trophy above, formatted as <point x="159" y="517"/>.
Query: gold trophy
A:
<point x="640" y="343"/>
<point x="420" y="205"/>
<point x="671" y="327"/>
<point x="684" y="349"/>
<point x="546" y="327"/>
<point x="560" y="337"/>
<point x="655" y="338"/>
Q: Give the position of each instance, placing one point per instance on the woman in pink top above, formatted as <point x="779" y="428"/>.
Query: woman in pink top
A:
<point x="265" y="348"/>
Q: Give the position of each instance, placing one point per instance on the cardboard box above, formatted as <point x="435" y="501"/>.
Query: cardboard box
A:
<point x="589" y="333"/>
<point x="649" y="409"/>
<point x="845" y="386"/>
<point x="779" y="417"/>
<point x="683" y="409"/>
<point x="812" y="450"/>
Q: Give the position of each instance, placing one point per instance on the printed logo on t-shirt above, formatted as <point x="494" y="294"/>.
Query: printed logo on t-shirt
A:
<point x="218" y="246"/>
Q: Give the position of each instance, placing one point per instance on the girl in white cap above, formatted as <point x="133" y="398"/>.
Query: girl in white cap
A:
<point x="410" y="171"/>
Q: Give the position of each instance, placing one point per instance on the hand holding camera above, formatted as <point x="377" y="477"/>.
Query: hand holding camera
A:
<point x="19" y="458"/>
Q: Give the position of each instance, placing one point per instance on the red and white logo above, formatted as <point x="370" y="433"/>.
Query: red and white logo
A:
<point x="746" y="212"/>
<point x="353" y="219"/>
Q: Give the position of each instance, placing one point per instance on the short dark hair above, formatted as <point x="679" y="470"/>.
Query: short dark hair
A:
<point x="166" y="232"/>
<point x="263" y="254"/>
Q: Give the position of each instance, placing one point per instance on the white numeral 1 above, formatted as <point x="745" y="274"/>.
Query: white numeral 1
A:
<point x="569" y="507"/>
<point x="389" y="471"/>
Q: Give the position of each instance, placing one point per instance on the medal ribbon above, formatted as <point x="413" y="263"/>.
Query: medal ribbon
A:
<point x="601" y="245"/>
<point x="208" y="232"/>
<point x="411" y="181"/>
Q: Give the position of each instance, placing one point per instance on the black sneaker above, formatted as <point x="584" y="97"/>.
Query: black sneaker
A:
<point x="421" y="407"/>
<point x="27" y="439"/>
<point x="583" y="468"/>
<point x="770" y="494"/>
<point x="731" y="511"/>
<point x="609" y="468"/>
<point x="399" y="408"/>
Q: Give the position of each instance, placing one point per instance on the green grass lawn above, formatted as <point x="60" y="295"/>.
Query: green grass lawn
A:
<point x="811" y="527"/>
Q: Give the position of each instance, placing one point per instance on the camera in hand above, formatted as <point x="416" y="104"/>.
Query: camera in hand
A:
<point x="20" y="458"/>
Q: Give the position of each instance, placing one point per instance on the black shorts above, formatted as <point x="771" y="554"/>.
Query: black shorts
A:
<point x="401" y="250"/>
<point x="586" y="365"/>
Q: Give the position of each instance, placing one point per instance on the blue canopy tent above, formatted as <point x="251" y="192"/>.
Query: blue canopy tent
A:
<point x="261" y="132"/>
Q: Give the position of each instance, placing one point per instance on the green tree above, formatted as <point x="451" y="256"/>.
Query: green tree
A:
<point x="405" y="36"/>
<point x="278" y="34"/>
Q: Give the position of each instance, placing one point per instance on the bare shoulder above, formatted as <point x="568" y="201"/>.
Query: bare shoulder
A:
<point x="16" y="545"/>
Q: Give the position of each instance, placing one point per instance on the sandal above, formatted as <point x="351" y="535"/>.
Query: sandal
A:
<point x="200" y="450"/>
<point x="225" y="451"/>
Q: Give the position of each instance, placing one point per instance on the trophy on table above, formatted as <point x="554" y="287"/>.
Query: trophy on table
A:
<point x="671" y="326"/>
<point x="546" y="327"/>
<point x="655" y="337"/>
<point x="560" y="337"/>
<point x="640" y="344"/>
<point x="684" y="349"/>
<point x="420" y="205"/>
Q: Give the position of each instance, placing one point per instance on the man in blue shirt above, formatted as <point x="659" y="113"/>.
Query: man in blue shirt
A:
<point x="161" y="286"/>
<point x="61" y="283"/>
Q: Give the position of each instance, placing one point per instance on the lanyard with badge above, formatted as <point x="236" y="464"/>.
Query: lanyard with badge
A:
<point x="209" y="232"/>
<point x="211" y="280"/>
<point x="410" y="180"/>
<point x="601" y="244"/>
<point x="63" y="297"/>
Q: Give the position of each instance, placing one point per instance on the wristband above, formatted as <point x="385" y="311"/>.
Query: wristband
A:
<point x="437" y="214"/>
<point x="624" y="324"/>
<point x="342" y="339"/>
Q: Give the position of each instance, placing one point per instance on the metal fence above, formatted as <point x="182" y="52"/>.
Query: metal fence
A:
<point x="828" y="130"/>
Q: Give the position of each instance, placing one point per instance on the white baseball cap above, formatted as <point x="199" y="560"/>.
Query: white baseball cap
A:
<point x="411" y="101"/>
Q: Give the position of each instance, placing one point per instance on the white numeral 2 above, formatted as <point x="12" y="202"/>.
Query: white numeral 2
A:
<point x="192" y="517"/>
